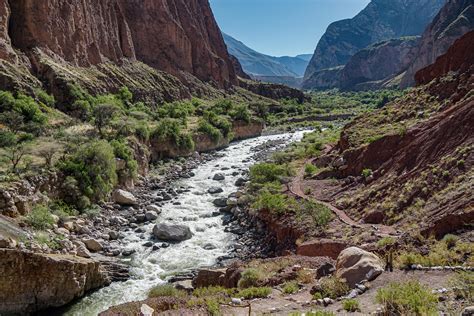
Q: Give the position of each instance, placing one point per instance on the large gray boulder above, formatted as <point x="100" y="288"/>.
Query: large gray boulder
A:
<point x="355" y="265"/>
<point x="172" y="232"/>
<point x="123" y="197"/>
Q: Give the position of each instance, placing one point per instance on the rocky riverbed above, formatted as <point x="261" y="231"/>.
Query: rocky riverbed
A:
<point x="184" y="216"/>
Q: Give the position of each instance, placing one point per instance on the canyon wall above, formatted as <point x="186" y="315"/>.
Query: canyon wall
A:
<point x="109" y="43"/>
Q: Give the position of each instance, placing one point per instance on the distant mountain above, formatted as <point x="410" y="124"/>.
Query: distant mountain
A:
<point x="258" y="64"/>
<point x="379" y="21"/>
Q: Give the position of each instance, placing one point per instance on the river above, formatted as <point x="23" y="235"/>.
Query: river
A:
<point x="148" y="267"/>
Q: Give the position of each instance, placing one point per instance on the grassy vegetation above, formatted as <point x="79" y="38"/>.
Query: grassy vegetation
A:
<point x="409" y="298"/>
<point x="331" y="287"/>
<point x="165" y="290"/>
<point x="40" y="218"/>
<point x="351" y="305"/>
<point x="290" y="287"/>
<point x="463" y="284"/>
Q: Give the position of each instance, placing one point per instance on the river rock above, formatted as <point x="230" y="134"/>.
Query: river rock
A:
<point x="215" y="190"/>
<point x="209" y="277"/>
<point x="81" y="249"/>
<point x="153" y="208"/>
<point x="240" y="182"/>
<point x="151" y="216"/>
<point x="146" y="310"/>
<point x="92" y="244"/>
<point x="7" y="242"/>
<point x="218" y="177"/>
<point x="39" y="281"/>
<point x="123" y="197"/>
<point x="221" y="202"/>
<point x="172" y="232"/>
<point x="355" y="265"/>
<point x="185" y="285"/>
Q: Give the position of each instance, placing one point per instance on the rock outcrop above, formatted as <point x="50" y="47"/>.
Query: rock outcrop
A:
<point x="32" y="282"/>
<point x="273" y="91"/>
<point x="454" y="20"/>
<point x="379" y="21"/>
<point x="460" y="57"/>
<point x="111" y="43"/>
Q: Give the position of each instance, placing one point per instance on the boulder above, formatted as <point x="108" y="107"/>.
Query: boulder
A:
<point x="7" y="242"/>
<point x="209" y="277"/>
<point x="215" y="190"/>
<point x="153" y="208"/>
<point x="81" y="249"/>
<point x="185" y="285"/>
<point x="355" y="265"/>
<point x="240" y="182"/>
<point x="146" y="310"/>
<point x="222" y="202"/>
<point x="92" y="244"/>
<point x="325" y="270"/>
<point x="172" y="232"/>
<point x="151" y="216"/>
<point x="30" y="282"/>
<point x="123" y="197"/>
<point x="218" y="177"/>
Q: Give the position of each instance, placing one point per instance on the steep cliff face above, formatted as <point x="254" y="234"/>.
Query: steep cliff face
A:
<point x="460" y="57"/>
<point x="379" y="21"/>
<point x="454" y="20"/>
<point x="56" y="40"/>
<point x="378" y="64"/>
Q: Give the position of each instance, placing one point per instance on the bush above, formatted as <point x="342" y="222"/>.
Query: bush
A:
<point x="219" y="122"/>
<point x="333" y="287"/>
<point x="450" y="240"/>
<point x="122" y="151"/>
<point x="273" y="202"/>
<point x="255" y="292"/>
<point x="45" y="98"/>
<point x="213" y="132"/>
<point x="103" y="116"/>
<point x="170" y="130"/>
<point x="40" y="218"/>
<point x="290" y="287"/>
<point x="165" y="290"/>
<point x="7" y="138"/>
<point x="351" y="305"/>
<point x="320" y="214"/>
<point x="223" y="106"/>
<point x="310" y="170"/>
<point x="241" y="113"/>
<point x="250" y="278"/>
<point x="267" y="172"/>
<point x="386" y="241"/>
<point x="463" y="285"/>
<point x="409" y="298"/>
<point x="367" y="173"/>
<point x="92" y="166"/>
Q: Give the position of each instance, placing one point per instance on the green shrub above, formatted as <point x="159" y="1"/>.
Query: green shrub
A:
<point x="125" y="96"/>
<point x="170" y="130"/>
<point x="273" y="202"/>
<point x="250" y="278"/>
<point x="333" y="287"/>
<point x="409" y="298"/>
<point x="166" y="290"/>
<point x="91" y="168"/>
<point x="7" y="138"/>
<point x="223" y="106"/>
<point x="103" y="116"/>
<point x="123" y="151"/>
<point x="351" y="305"/>
<point x="386" y="241"/>
<point x="367" y="173"/>
<point x="267" y="172"/>
<point x="213" y="132"/>
<point x="255" y="292"/>
<point x="450" y="240"/>
<point x="310" y="170"/>
<point x="219" y="122"/>
<point x="45" y="98"/>
<point x="241" y="113"/>
<point x="463" y="285"/>
<point x="290" y="287"/>
<point x="40" y="218"/>
<point x="320" y="214"/>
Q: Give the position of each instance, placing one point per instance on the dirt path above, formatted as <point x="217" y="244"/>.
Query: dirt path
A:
<point x="296" y="187"/>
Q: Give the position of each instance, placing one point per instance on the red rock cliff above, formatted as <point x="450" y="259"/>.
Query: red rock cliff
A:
<point x="175" y="36"/>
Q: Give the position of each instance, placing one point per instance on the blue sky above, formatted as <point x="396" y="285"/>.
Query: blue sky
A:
<point x="282" y="27"/>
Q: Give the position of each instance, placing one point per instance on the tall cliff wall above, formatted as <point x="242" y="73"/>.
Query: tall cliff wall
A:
<point x="59" y="38"/>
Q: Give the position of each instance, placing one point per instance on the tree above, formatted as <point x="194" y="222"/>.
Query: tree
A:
<point x="103" y="115"/>
<point x="15" y="154"/>
<point x="48" y="152"/>
<point x="13" y="120"/>
<point x="125" y="95"/>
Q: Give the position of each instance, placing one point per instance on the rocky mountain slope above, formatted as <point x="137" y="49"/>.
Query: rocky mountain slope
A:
<point x="454" y="20"/>
<point x="104" y="45"/>
<point x="379" y="21"/>
<point x="265" y="67"/>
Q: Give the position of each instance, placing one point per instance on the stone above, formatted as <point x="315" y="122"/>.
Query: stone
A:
<point x="92" y="244"/>
<point x="69" y="225"/>
<point x="40" y="281"/>
<point x="218" y="177"/>
<point x="215" y="190"/>
<point x="221" y="202"/>
<point x="236" y="301"/>
<point x="355" y="265"/>
<point x="168" y="232"/>
<point x="185" y="285"/>
<point x="7" y="242"/>
<point x="468" y="311"/>
<point x="114" y="235"/>
<point x="325" y="270"/>
<point x="81" y="249"/>
<point x="321" y="248"/>
<point x="123" y="197"/>
<point x="146" y="310"/>
<point x="151" y="216"/>
<point x="209" y="277"/>
<point x="153" y="208"/>
<point x="240" y="182"/>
